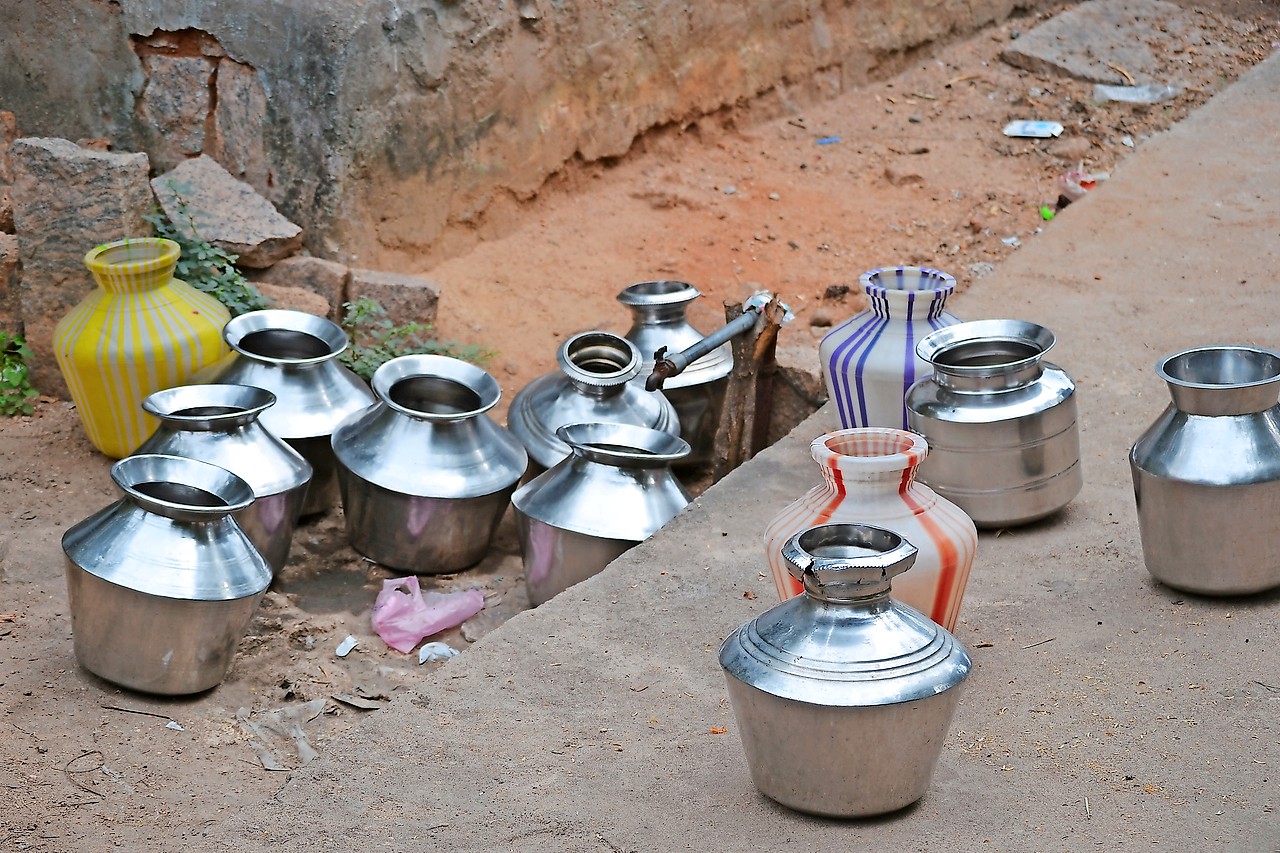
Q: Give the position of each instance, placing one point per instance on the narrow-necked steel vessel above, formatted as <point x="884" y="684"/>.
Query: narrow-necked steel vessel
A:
<point x="842" y="695"/>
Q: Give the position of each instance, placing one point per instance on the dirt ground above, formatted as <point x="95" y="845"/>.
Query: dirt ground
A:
<point x="913" y="169"/>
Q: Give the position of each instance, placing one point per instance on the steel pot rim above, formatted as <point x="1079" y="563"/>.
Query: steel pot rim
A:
<point x="624" y="444"/>
<point x="936" y="344"/>
<point x="475" y="379"/>
<point x="571" y="351"/>
<point x="658" y="292"/>
<point x="243" y="402"/>
<point x="884" y="554"/>
<point x="286" y="320"/>
<point x="1164" y="365"/>
<point x="134" y="471"/>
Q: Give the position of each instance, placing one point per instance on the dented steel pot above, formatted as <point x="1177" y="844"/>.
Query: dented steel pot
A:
<point x="614" y="491"/>
<point x="593" y="385"/>
<point x="294" y="355"/>
<point x="1000" y="422"/>
<point x="843" y="696"/>
<point x="163" y="583"/>
<point x="1206" y="473"/>
<point x="219" y="424"/>
<point x="425" y="473"/>
<point x="658" y="309"/>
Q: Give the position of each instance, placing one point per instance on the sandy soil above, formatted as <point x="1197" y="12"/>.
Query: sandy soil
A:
<point x="736" y="202"/>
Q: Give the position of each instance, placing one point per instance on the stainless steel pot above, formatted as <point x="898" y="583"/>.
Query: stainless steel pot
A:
<point x="1000" y="421"/>
<point x="1206" y="474"/>
<point x="613" y="492"/>
<point x="658" y="310"/>
<point x="843" y="696"/>
<point x="593" y="385"/>
<point x="294" y="355"/>
<point x="425" y="474"/>
<point x="219" y="424"/>
<point x="163" y="583"/>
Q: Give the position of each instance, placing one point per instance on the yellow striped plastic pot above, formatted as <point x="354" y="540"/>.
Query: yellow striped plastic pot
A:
<point x="140" y="332"/>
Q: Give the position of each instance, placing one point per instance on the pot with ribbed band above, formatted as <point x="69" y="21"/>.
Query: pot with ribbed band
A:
<point x="843" y="696"/>
<point x="869" y="475"/>
<point x="658" y="310"/>
<point x="869" y="361"/>
<point x="593" y="385"/>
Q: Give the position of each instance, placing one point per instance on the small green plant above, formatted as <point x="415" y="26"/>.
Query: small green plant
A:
<point x="16" y="392"/>
<point x="205" y="266"/>
<point x="376" y="340"/>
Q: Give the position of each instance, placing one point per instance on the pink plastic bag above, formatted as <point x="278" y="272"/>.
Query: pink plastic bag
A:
<point x="403" y="615"/>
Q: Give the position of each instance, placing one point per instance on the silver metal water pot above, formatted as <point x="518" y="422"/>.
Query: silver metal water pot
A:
<point x="294" y="355"/>
<point x="219" y="424"/>
<point x="593" y="385"/>
<point x="425" y="473"/>
<point x="658" y="320"/>
<point x="1000" y="421"/>
<point x="614" y="491"/>
<point x="1206" y="474"/>
<point x="842" y="695"/>
<point x="163" y="583"/>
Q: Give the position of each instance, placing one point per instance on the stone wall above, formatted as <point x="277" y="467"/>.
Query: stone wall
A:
<point x="378" y="125"/>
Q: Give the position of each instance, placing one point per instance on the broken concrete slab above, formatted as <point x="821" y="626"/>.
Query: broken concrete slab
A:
<point x="407" y="298"/>
<point x="326" y="279"/>
<point x="200" y="197"/>
<point x="68" y="199"/>
<point x="1100" y="40"/>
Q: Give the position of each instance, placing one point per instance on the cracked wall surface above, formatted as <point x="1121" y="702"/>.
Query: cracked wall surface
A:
<point x="384" y="126"/>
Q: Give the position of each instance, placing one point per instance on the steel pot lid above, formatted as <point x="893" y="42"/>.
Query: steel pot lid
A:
<point x="845" y="641"/>
<point x="593" y="385"/>
<point x="428" y="435"/>
<point x="617" y="484"/>
<point x="171" y="500"/>
<point x="659" y="311"/>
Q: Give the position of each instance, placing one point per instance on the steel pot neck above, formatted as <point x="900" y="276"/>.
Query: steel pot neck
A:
<point x="133" y="265"/>
<point x="985" y="356"/>
<point x="873" y="457"/>
<point x="209" y="408"/>
<point x="289" y="339"/>
<point x="656" y="302"/>
<point x="1220" y="381"/>
<point x="623" y="445"/>
<point x="844" y="563"/>
<point x="599" y="364"/>
<point x="435" y="388"/>
<point x="180" y="488"/>
<point x="907" y="293"/>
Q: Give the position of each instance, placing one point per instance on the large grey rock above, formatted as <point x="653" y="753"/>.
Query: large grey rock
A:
<point x="1093" y="40"/>
<point x="175" y="106"/>
<point x="9" y="266"/>
<point x="68" y="199"/>
<point x="407" y="298"/>
<point x="238" y="118"/>
<point x="327" y="279"/>
<point x="202" y="198"/>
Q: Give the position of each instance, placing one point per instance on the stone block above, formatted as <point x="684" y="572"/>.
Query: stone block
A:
<point x="8" y="134"/>
<point x="68" y="199"/>
<point x="798" y="390"/>
<point x="326" y="279"/>
<point x="175" y="106"/>
<point x="407" y="298"/>
<point x="294" y="299"/>
<point x="227" y="212"/>
<point x="9" y="267"/>
<point x="238" y="119"/>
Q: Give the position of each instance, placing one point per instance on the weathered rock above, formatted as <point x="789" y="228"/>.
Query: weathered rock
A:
<point x="226" y="212"/>
<point x="327" y="279"/>
<point x="175" y="106"/>
<point x="9" y="267"/>
<point x="294" y="298"/>
<point x="798" y="390"/>
<point x="1092" y="40"/>
<point x="238" y="119"/>
<point x="68" y="199"/>
<point x="8" y="134"/>
<point x="407" y="298"/>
